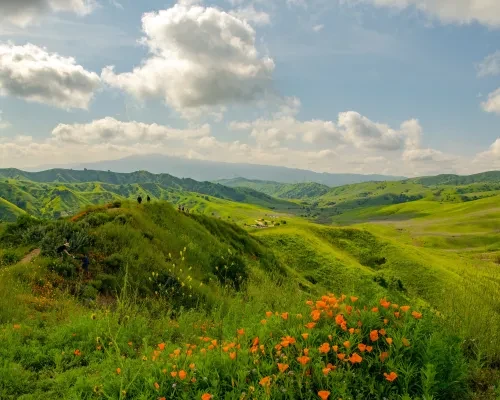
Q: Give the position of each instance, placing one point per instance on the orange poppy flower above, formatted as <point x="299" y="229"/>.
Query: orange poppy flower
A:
<point x="164" y="370"/>
<point x="355" y="358"/>
<point x="269" y="314"/>
<point x="406" y="342"/>
<point x="362" y="347"/>
<point x="335" y="348"/>
<point x="284" y="315"/>
<point x="118" y="371"/>
<point x="77" y="353"/>
<point x="241" y="332"/>
<point x="382" y="332"/>
<point x="330" y="338"/>
<point x="203" y="351"/>
<point x="282" y="367"/>
<point x="214" y="342"/>
<point x="383" y="356"/>
<point x="341" y="356"/>
<point x="324" y="394"/>
<point x="339" y="319"/>
<point x="173" y="374"/>
<point x="326" y="371"/>
<point x="384" y="303"/>
<point x="305" y="336"/>
<point x="17" y="326"/>
<point x="348" y="309"/>
<point x="416" y="315"/>
<point x="177" y="352"/>
<point x="192" y="366"/>
<point x="351" y="331"/>
<point x="309" y="302"/>
<point x="161" y="346"/>
<point x="303" y="360"/>
<point x="316" y="315"/>
<point x="391" y="377"/>
<point x="182" y="374"/>
<point x="389" y="340"/>
<point x="395" y="306"/>
<point x="375" y="309"/>
<point x="374" y="336"/>
<point x="347" y="344"/>
<point x="310" y="325"/>
<point x="369" y="349"/>
<point x="232" y="355"/>
<point x="354" y="299"/>
<point x="324" y="348"/>
<point x="266" y="381"/>
<point x="130" y="344"/>
<point x="306" y="351"/>
<point x="405" y="308"/>
<point x="157" y="386"/>
<point x="386" y="321"/>
<point x="206" y="396"/>
<point x="397" y="314"/>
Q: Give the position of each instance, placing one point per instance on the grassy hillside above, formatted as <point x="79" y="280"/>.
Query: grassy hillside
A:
<point x="281" y="190"/>
<point x="192" y="307"/>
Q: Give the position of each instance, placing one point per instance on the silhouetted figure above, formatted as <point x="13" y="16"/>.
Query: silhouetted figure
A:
<point x="148" y="199"/>
<point x="182" y="208"/>
<point x="139" y="199"/>
<point x="179" y="208"/>
<point x="63" y="249"/>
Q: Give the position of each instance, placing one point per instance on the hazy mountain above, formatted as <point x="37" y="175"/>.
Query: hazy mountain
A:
<point x="201" y="170"/>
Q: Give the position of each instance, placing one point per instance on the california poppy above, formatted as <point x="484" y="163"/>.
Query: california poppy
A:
<point x="310" y="325"/>
<point x="354" y="299"/>
<point x="240" y="332"/>
<point x="266" y="381"/>
<point x="161" y="346"/>
<point x="316" y="315"/>
<point x="406" y="342"/>
<point x="182" y="374"/>
<point x="347" y="344"/>
<point x="374" y="336"/>
<point x="416" y="315"/>
<point x="355" y="358"/>
<point x="389" y="340"/>
<point x="284" y="315"/>
<point x="369" y="349"/>
<point x="383" y="356"/>
<point x="269" y="314"/>
<point x="391" y="377"/>
<point x="324" y="348"/>
<point x="282" y="367"/>
<point x="305" y="336"/>
<point x="405" y="308"/>
<point x="341" y="356"/>
<point x="362" y="347"/>
<point x="303" y="360"/>
<point x="118" y="371"/>
<point x="206" y="396"/>
<point x="232" y="355"/>
<point x="326" y="371"/>
<point x="173" y="374"/>
<point x="323" y="394"/>
<point x="382" y="332"/>
<point x="157" y="386"/>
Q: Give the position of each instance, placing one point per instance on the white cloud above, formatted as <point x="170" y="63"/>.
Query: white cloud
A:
<point x="492" y="105"/>
<point x="486" y="12"/>
<point x="318" y="28"/>
<point x="251" y="15"/>
<point x="200" y="59"/>
<point x="490" y="65"/>
<point x="109" y="130"/>
<point x="24" y="12"/>
<point x="31" y="73"/>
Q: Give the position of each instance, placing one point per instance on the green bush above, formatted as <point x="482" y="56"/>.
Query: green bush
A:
<point x="9" y="257"/>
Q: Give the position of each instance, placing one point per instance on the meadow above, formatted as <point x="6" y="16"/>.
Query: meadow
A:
<point x="397" y="301"/>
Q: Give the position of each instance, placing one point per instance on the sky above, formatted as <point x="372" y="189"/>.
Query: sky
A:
<point x="399" y="87"/>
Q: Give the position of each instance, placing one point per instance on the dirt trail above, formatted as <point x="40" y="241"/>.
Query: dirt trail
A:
<point x="30" y="256"/>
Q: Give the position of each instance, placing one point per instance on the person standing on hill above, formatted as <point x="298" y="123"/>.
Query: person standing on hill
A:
<point x="149" y="199"/>
<point x="63" y="249"/>
<point x="139" y="199"/>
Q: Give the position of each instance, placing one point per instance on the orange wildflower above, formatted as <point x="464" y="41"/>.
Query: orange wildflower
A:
<point x="310" y="325"/>
<point x="416" y="315"/>
<point x="263" y="321"/>
<point x="405" y="308"/>
<point x="306" y="352"/>
<point x="232" y="355"/>
<point x="203" y="351"/>
<point x="206" y="396"/>
<point x="384" y="303"/>
<point x="324" y="348"/>
<point x="118" y="371"/>
<point x="309" y="302"/>
<point x="326" y="371"/>
<point x="386" y="321"/>
<point x="269" y="314"/>
<point x="335" y="348"/>
<point x="324" y="394"/>
<point x="316" y="315"/>
<point x="347" y="344"/>
<point x="241" y="332"/>
<point x="164" y="370"/>
<point x="389" y="340"/>
<point x="157" y="386"/>
<point x="330" y="338"/>
<point x="339" y="319"/>
<point x="161" y="346"/>
<point x="355" y="358"/>
<point x="351" y="331"/>
<point x="369" y="349"/>
<point x="362" y="347"/>
<point x="341" y="356"/>
<point x="266" y="381"/>
<point x="77" y="353"/>
<point x="383" y="356"/>
<point x="303" y="360"/>
<point x="305" y="336"/>
<point x="375" y="309"/>
<point x="173" y="374"/>
<point x="382" y="332"/>
<point x="397" y="314"/>
<point x="406" y="342"/>
<point x="284" y="315"/>
<point x="282" y="367"/>
<point x="391" y="377"/>
<point x="214" y="342"/>
<point x="182" y="374"/>
<point x="354" y="299"/>
<point x="374" y="336"/>
<point x="17" y="326"/>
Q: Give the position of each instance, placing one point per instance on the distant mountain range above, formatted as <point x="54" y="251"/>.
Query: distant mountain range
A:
<point x="201" y="170"/>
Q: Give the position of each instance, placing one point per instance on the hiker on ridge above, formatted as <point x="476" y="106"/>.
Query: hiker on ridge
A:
<point x="139" y="199"/>
<point x="148" y="199"/>
<point x="63" y="249"/>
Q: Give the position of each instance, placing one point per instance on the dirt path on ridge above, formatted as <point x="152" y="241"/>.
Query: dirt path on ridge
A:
<point x="30" y="256"/>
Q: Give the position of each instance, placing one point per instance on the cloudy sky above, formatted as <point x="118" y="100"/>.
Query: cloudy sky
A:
<point x="404" y="87"/>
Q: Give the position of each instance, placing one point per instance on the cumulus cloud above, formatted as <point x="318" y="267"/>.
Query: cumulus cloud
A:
<point x="200" y="58"/>
<point x="33" y="74"/>
<point x="109" y="130"/>
<point x="24" y="12"/>
<point x="490" y="65"/>
<point x="251" y="15"/>
<point x="492" y="105"/>
<point x="486" y="12"/>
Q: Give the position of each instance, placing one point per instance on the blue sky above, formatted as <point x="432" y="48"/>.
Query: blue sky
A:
<point x="370" y="86"/>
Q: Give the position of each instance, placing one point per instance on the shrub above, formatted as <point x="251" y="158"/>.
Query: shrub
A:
<point x="9" y="257"/>
<point x="229" y="269"/>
